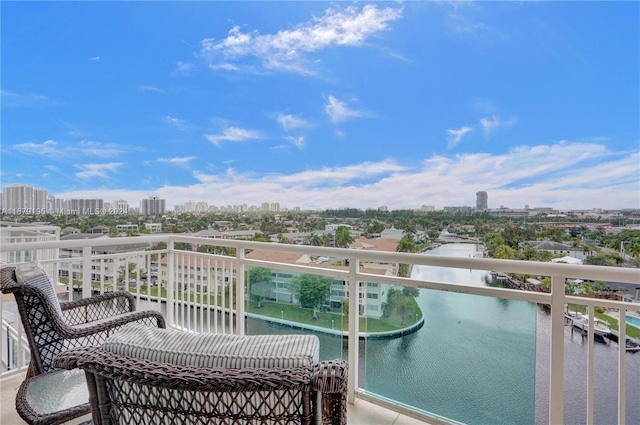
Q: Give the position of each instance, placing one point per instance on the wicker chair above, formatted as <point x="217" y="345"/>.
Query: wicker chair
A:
<point x="51" y="330"/>
<point x="128" y="390"/>
<point x="52" y="327"/>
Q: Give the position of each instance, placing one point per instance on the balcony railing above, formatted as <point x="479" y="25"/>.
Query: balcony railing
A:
<point x="200" y="285"/>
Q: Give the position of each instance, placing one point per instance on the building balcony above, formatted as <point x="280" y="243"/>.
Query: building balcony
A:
<point x="474" y="351"/>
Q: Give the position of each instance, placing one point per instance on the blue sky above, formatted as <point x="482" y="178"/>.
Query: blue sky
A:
<point x="324" y="104"/>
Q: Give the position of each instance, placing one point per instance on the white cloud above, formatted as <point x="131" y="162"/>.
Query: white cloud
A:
<point x="184" y="67"/>
<point x="176" y="122"/>
<point x="233" y="134"/>
<point x="88" y="148"/>
<point x="298" y="141"/>
<point x="178" y="160"/>
<point x="456" y="135"/>
<point x="16" y="100"/>
<point x="290" y="122"/>
<point x="93" y="149"/>
<point x="150" y="89"/>
<point x="48" y="148"/>
<point x="563" y="175"/>
<point x="489" y="125"/>
<point x="91" y="171"/>
<point x="287" y="50"/>
<point x="338" y="110"/>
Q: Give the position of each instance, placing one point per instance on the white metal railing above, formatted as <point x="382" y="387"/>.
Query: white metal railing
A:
<point x="205" y="291"/>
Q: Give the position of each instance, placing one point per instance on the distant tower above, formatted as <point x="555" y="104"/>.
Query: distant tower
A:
<point x="21" y="198"/>
<point x="481" y="201"/>
<point x="152" y="206"/>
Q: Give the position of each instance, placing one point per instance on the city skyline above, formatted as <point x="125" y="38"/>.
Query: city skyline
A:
<point x="324" y="105"/>
<point x="21" y="199"/>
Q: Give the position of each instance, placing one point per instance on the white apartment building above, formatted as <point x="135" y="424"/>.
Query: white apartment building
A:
<point x="153" y="227"/>
<point x="372" y="295"/>
<point x="84" y="206"/>
<point x="120" y="206"/>
<point x="23" y="199"/>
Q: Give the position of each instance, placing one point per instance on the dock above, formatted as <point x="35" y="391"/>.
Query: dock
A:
<point x="631" y="345"/>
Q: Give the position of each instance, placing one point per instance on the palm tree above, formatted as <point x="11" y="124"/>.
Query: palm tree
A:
<point x="343" y="237"/>
<point x="406" y="244"/>
<point x="315" y="240"/>
<point x="634" y="252"/>
<point x="505" y="252"/>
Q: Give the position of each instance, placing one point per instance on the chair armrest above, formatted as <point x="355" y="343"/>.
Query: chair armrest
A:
<point x="99" y="329"/>
<point x="330" y="376"/>
<point x="98" y="307"/>
<point x="330" y="380"/>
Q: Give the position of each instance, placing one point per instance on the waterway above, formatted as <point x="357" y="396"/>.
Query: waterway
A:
<point x="484" y="361"/>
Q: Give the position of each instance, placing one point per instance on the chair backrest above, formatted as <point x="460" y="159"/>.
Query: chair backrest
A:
<point x="31" y="274"/>
<point x="52" y="327"/>
<point x="39" y="308"/>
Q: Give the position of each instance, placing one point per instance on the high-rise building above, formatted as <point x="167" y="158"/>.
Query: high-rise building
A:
<point x="84" y="206"/>
<point x="482" y="201"/>
<point x="120" y="206"/>
<point x="152" y="206"/>
<point x="24" y="199"/>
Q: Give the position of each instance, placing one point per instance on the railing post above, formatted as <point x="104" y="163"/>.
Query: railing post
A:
<point x="240" y="292"/>
<point x="353" y="340"/>
<point x="591" y="312"/>
<point x="556" y="377"/>
<point x="170" y="282"/>
<point x="86" y="272"/>
<point x="622" y="365"/>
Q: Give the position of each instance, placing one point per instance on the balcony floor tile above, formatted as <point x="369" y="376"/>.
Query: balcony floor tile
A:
<point x="360" y="413"/>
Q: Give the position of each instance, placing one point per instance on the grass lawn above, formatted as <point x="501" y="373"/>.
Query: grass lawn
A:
<point x="294" y="313"/>
<point x="332" y="320"/>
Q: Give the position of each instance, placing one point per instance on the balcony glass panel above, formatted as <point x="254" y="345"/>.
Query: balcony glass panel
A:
<point x="472" y="361"/>
<point x="281" y="302"/>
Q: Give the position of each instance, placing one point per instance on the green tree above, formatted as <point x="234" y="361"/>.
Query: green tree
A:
<point x="410" y="291"/>
<point x="260" y="284"/>
<point x="127" y="272"/>
<point x="543" y="255"/>
<point x="634" y="251"/>
<point x="315" y="240"/>
<point x="406" y="244"/>
<point x="505" y="252"/>
<point x="311" y="290"/>
<point x="375" y="227"/>
<point x="399" y="303"/>
<point x="599" y="260"/>
<point x="260" y="237"/>
<point x="343" y="237"/>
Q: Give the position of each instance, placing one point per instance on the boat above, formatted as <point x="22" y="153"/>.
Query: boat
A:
<point x="632" y="345"/>
<point x="600" y="328"/>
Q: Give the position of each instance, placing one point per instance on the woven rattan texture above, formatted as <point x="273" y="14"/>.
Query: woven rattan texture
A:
<point x="86" y="322"/>
<point x="126" y="390"/>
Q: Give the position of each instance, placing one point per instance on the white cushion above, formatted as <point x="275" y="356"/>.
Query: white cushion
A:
<point x="213" y="350"/>
<point x="31" y="274"/>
